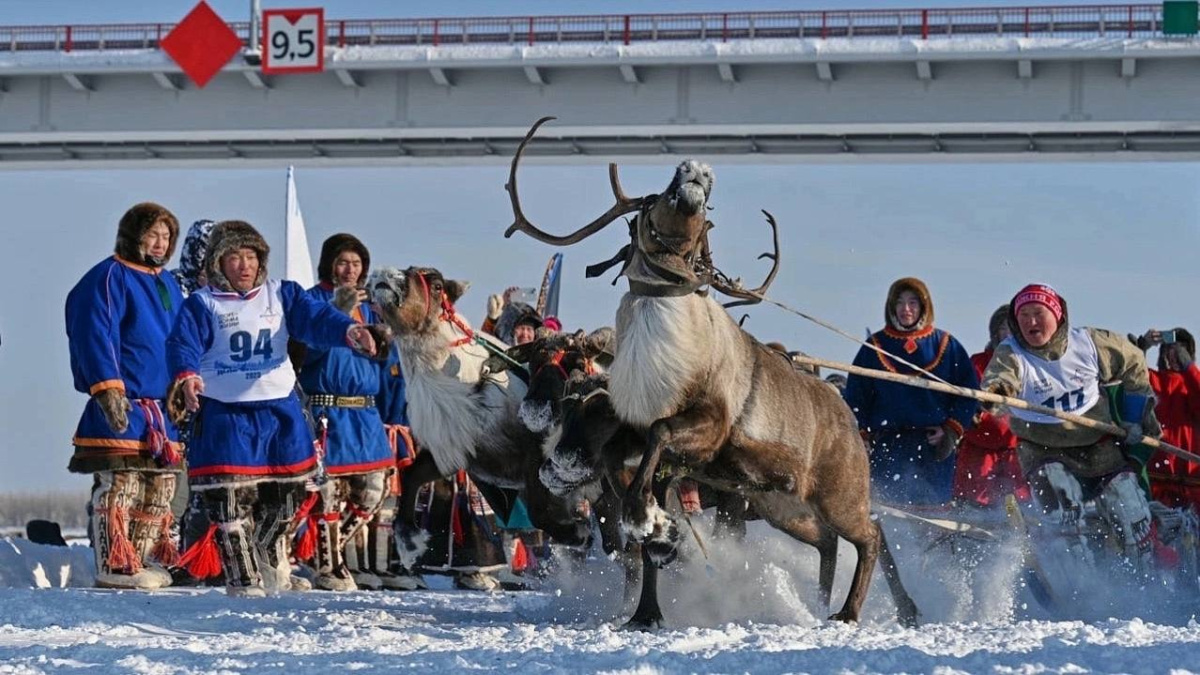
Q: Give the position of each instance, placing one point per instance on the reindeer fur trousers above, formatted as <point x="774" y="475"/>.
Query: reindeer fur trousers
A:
<point x="347" y="504"/>
<point x="253" y="529"/>
<point x="131" y="520"/>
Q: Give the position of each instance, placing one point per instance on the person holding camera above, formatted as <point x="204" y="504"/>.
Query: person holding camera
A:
<point x="1173" y="481"/>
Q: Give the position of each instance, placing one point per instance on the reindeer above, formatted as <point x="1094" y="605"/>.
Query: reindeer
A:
<point x="710" y="399"/>
<point x="462" y="415"/>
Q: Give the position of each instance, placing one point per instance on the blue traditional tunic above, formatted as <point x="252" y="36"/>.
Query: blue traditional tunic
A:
<point x="355" y="440"/>
<point x="250" y="421"/>
<point x="118" y="317"/>
<point x="894" y="417"/>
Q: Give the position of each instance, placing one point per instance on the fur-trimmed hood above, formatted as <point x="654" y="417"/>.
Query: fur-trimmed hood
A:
<point x="230" y="235"/>
<point x="916" y="286"/>
<point x="333" y="247"/>
<point x="135" y="223"/>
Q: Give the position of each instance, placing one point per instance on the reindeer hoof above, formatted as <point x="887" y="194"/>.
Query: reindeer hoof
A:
<point x="663" y="544"/>
<point x="845" y="616"/>
<point x="644" y="624"/>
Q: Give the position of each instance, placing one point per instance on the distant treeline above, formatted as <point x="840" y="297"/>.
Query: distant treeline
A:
<point x="67" y="508"/>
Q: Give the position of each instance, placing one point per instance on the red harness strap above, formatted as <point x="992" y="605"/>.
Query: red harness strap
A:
<point x="556" y="360"/>
<point x="448" y="314"/>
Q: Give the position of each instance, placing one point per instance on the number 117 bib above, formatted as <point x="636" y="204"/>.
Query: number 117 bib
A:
<point x="1070" y="384"/>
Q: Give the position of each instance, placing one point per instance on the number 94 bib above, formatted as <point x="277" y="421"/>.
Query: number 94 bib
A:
<point x="1070" y="384"/>
<point x="248" y="358"/>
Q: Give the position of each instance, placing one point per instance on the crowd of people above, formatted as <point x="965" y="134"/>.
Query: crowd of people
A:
<point x="284" y="409"/>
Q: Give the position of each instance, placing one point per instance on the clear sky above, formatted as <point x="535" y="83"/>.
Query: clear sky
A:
<point x="1116" y="239"/>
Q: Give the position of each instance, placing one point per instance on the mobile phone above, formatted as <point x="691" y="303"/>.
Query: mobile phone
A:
<point x="526" y="295"/>
<point x="1168" y="336"/>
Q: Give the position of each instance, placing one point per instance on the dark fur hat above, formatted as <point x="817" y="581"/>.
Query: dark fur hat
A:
<point x="134" y="225"/>
<point x="230" y="235"/>
<point x="333" y="247"/>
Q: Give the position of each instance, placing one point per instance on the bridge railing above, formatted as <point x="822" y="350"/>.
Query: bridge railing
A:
<point x="1127" y="20"/>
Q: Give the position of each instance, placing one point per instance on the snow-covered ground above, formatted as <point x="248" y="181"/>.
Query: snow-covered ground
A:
<point x="746" y="609"/>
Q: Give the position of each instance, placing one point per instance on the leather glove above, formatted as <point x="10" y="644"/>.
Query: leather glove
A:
<point x="345" y="298"/>
<point x="115" y="407"/>
<point x="495" y="305"/>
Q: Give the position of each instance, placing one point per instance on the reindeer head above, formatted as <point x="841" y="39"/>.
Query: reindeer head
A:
<point x="553" y="362"/>
<point x="669" y="232"/>
<point x="410" y="301"/>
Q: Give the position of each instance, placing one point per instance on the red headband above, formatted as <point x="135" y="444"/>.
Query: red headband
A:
<point x="1042" y="295"/>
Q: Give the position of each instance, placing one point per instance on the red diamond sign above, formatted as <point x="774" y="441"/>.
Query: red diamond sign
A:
<point x="201" y="44"/>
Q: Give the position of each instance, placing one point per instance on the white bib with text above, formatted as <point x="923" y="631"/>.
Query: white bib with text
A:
<point x="1070" y="384"/>
<point x="248" y="359"/>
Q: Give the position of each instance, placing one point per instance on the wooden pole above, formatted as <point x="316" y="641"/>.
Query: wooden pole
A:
<point x="920" y="382"/>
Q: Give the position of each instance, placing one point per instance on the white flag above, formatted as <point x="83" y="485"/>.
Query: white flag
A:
<point x="299" y="261"/>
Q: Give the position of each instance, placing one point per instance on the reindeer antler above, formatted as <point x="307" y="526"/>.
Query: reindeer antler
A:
<point x="753" y="296"/>
<point x="623" y="206"/>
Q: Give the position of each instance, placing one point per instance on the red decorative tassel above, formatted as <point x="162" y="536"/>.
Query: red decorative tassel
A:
<point x="306" y="545"/>
<point x="122" y="556"/>
<point x="520" y="560"/>
<point x="165" y="551"/>
<point x="456" y="510"/>
<point x="202" y="559"/>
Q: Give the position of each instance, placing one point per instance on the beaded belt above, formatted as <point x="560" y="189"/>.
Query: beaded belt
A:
<point x="330" y="400"/>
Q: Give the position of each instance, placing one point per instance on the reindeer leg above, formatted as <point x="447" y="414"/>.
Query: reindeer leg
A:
<point x="812" y="531"/>
<point x="410" y="541"/>
<point x="906" y="610"/>
<point x="648" y="615"/>
<point x="694" y="435"/>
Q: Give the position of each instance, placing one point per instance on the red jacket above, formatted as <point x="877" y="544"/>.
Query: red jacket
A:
<point x="987" y="468"/>
<point x="1173" y="481"/>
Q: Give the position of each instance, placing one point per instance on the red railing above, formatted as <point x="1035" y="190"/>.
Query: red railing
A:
<point x="1128" y="20"/>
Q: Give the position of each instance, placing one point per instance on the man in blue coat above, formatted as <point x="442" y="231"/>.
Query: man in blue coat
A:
<point x="251" y="449"/>
<point x="341" y="387"/>
<point x="118" y="318"/>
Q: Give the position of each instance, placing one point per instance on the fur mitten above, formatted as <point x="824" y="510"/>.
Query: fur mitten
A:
<point x="495" y="305"/>
<point x="947" y="445"/>
<point x="176" y="402"/>
<point x="999" y="389"/>
<point x="345" y="298"/>
<point x="382" y="335"/>
<point x="115" y="407"/>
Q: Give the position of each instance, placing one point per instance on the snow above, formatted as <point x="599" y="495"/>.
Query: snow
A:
<point x="751" y="608"/>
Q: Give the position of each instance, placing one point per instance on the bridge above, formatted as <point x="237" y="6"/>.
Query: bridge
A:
<point x="1097" y="83"/>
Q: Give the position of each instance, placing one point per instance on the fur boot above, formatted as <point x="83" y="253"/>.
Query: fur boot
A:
<point x="230" y="507"/>
<point x="151" y="521"/>
<point x="277" y="504"/>
<point x="118" y="564"/>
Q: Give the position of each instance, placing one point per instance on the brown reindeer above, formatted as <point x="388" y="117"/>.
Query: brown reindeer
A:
<point x="711" y="400"/>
